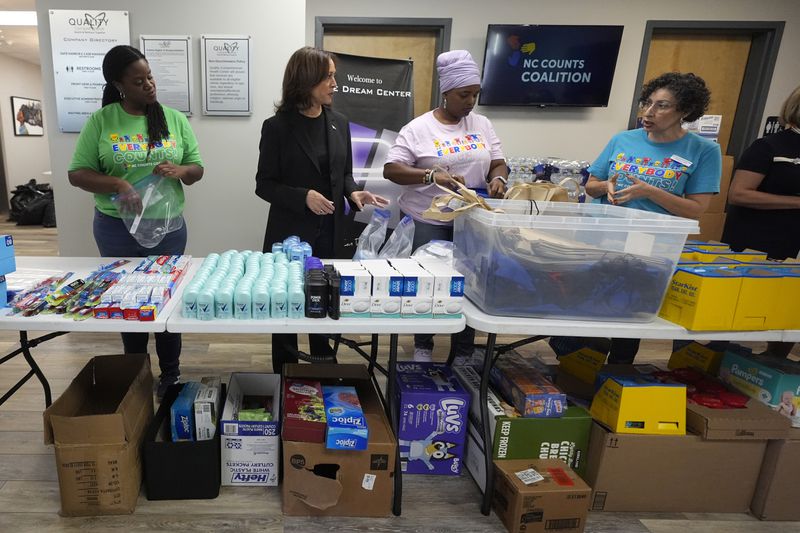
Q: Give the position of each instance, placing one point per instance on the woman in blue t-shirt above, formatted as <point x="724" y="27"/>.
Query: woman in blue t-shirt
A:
<point x="659" y="167"/>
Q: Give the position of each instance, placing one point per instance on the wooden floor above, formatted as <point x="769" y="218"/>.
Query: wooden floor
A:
<point x="29" y="496"/>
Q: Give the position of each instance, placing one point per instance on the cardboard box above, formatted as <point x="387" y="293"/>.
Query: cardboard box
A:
<point x="433" y="419"/>
<point x="711" y="226"/>
<point x="633" y="404"/>
<point x="471" y="381"/>
<point x="322" y="482"/>
<point x="767" y="379"/>
<point x="557" y="502"/>
<point x="702" y="297"/>
<point x="179" y="470"/>
<point x="475" y="457"/>
<point x="584" y="364"/>
<point x="527" y="389"/>
<point x="719" y="201"/>
<point x="695" y="355"/>
<point x="775" y="497"/>
<point x="303" y="411"/>
<point x="755" y="422"/>
<point x="672" y="473"/>
<point x="250" y="449"/>
<point x="97" y="426"/>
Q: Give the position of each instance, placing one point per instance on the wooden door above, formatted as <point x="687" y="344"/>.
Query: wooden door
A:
<point x="417" y="45"/>
<point x="720" y="59"/>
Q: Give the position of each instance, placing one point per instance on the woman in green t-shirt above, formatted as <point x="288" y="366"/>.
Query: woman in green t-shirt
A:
<point x="129" y="139"/>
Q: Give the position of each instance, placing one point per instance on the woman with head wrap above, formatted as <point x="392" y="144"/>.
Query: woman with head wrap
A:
<point x="445" y="145"/>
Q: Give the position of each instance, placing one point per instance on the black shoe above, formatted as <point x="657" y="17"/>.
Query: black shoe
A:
<point x="164" y="382"/>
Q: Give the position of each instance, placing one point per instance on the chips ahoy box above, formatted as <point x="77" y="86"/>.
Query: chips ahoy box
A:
<point x="347" y="427"/>
<point x="434" y="415"/>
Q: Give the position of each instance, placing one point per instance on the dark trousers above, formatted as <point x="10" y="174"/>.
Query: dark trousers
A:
<point x="114" y="240"/>
<point x="461" y="343"/>
<point x="284" y="345"/>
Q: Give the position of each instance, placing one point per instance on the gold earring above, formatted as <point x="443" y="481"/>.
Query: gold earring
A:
<point x="444" y="104"/>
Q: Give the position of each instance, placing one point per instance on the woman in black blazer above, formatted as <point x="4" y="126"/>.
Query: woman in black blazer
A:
<point x="305" y="172"/>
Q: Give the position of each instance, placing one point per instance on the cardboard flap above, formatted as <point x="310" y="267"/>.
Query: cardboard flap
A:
<point x="136" y="407"/>
<point x="94" y="429"/>
<point x="316" y="491"/>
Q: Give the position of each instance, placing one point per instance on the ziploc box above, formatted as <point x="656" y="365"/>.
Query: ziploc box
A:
<point x="527" y="389"/>
<point x="772" y="381"/>
<point x="250" y="450"/>
<point x="355" y="289"/>
<point x="639" y="405"/>
<point x="434" y="415"/>
<point x="182" y="413"/>
<point x="702" y="298"/>
<point x="8" y="263"/>
<point x="347" y="427"/>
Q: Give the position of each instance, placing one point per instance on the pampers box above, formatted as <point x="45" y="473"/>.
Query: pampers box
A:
<point x="434" y="415"/>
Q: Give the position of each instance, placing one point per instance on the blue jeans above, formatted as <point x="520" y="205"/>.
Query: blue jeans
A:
<point x="463" y="342"/>
<point x="114" y="240"/>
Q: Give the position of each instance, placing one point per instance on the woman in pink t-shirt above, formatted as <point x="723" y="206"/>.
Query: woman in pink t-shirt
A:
<point x="462" y="143"/>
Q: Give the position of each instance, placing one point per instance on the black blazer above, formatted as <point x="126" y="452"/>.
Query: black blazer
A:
<point x="285" y="164"/>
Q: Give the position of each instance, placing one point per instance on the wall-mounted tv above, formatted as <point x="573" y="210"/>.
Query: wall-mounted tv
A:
<point x="549" y="65"/>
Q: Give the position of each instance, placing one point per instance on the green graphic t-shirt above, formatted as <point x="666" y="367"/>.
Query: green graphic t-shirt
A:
<point x="114" y="142"/>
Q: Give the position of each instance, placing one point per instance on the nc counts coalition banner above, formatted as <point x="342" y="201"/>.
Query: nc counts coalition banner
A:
<point x="549" y="65"/>
<point x="376" y="95"/>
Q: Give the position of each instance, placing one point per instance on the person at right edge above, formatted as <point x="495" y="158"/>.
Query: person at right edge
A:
<point x="764" y="198"/>
<point x="436" y="140"/>
<point x="305" y="172"/>
<point x="660" y="167"/>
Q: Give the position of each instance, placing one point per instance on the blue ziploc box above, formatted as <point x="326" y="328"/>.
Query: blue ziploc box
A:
<point x="347" y="427"/>
<point x="434" y="415"/>
<point x="8" y="263"/>
<point x="182" y="413"/>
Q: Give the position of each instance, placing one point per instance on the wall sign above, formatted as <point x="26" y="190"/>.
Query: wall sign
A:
<point x="170" y="58"/>
<point x="80" y="39"/>
<point x="227" y="81"/>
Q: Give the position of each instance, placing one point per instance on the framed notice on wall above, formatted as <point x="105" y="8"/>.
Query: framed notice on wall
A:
<point x="80" y="39"/>
<point x="226" y="77"/>
<point x="27" y="114"/>
<point x="170" y="58"/>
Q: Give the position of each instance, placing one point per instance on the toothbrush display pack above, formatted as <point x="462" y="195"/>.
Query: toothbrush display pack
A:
<point x="433" y="419"/>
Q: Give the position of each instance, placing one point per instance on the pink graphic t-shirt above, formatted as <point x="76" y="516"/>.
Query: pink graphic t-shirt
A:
<point x="466" y="148"/>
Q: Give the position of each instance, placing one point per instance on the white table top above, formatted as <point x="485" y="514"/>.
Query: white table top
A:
<point x="657" y="329"/>
<point x="81" y="266"/>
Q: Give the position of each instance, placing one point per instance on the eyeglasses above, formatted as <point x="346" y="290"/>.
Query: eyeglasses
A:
<point x="660" y="105"/>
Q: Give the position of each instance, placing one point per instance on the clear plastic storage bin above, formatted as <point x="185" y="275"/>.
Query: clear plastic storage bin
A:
<point x="565" y="260"/>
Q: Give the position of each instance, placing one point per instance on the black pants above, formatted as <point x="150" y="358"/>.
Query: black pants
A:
<point x="284" y="345"/>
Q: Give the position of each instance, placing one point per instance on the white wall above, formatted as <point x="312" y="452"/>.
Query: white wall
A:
<point x="24" y="157"/>
<point x="579" y="133"/>
<point x="222" y="210"/>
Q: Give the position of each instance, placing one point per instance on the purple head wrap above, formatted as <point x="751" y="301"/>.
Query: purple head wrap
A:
<point x="457" y="69"/>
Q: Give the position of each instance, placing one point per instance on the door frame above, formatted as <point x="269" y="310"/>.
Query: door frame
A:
<point x="766" y="40"/>
<point x="441" y="26"/>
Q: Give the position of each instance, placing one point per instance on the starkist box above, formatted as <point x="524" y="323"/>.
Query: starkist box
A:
<point x="322" y="482"/>
<point x="637" y="404"/>
<point x="533" y="496"/>
<point x="704" y="358"/>
<point x="702" y="298"/>
<point x="434" y="414"/>
<point x="98" y="425"/>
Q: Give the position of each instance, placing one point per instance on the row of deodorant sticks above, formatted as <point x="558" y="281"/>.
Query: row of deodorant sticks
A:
<point x="246" y="285"/>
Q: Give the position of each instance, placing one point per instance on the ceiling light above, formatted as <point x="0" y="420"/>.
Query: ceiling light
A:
<point x="17" y="18"/>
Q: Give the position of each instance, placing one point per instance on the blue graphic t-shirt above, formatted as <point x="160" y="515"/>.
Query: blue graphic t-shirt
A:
<point x="690" y="165"/>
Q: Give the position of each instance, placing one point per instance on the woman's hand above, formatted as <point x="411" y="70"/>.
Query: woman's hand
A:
<point x="445" y="179"/>
<point x="638" y="189"/>
<point x="497" y="187"/>
<point x="362" y="198"/>
<point x="129" y="200"/>
<point x="318" y="204"/>
<point x="168" y="169"/>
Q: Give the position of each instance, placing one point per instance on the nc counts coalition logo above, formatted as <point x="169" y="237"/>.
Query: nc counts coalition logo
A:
<point x="539" y="69"/>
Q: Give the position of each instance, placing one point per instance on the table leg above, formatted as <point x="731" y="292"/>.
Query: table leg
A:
<point x="24" y="349"/>
<point x="488" y="360"/>
<point x="391" y="404"/>
<point x="373" y="354"/>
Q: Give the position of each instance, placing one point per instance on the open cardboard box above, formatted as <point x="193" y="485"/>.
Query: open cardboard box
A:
<point x="322" y="482"/>
<point x="775" y="497"/>
<point x="97" y="426"/>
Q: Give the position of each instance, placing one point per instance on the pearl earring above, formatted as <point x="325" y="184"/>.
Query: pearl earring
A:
<point x="444" y="105"/>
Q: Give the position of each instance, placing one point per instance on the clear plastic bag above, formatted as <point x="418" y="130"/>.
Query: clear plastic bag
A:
<point x="400" y="241"/>
<point x="440" y="250"/>
<point x="150" y="211"/>
<point x="371" y="239"/>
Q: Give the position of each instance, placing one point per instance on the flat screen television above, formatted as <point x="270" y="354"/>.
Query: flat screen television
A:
<point x="549" y="65"/>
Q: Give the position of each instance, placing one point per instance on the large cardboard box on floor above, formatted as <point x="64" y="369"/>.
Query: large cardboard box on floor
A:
<point x="776" y="492"/>
<point x="539" y="495"/>
<point x="672" y="473"/>
<point x="97" y="426"/>
<point x="755" y="421"/>
<point x="322" y="482"/>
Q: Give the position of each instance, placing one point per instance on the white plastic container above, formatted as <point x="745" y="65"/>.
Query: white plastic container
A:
<point x="567" y="260"/>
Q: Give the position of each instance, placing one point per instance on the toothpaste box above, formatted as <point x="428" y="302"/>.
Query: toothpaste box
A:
<point x="182" y="413"/>
<point x="347" y="427"/>
<point x="303" y="411"/>
<point x="206" y="408"/>
<point x="434" y="415"/>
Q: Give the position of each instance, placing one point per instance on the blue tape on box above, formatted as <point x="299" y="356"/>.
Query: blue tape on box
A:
<point x="347" y="427"/>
